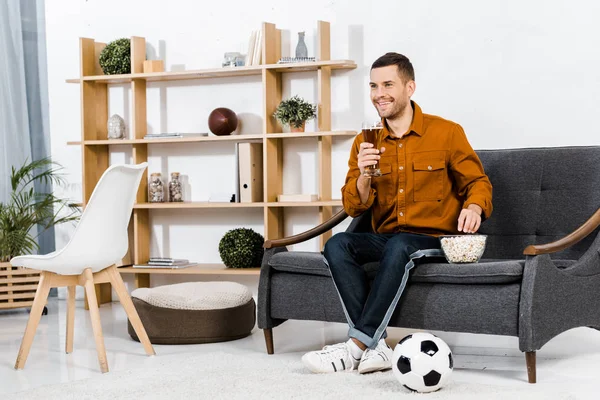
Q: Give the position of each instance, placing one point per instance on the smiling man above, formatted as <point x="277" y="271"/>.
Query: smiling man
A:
<point x="432" y="183"/>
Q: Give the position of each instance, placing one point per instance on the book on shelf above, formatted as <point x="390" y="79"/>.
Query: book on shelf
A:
<point x="251" y="44"/>
<point x="257" y="56"/>
<point x="169" y="262"/>
<point x="292" y="60"/>
<point x="177" y="266"/>
<point x="173" y="135"/>
<point x="298" y="197"/>
<point x="166" y="259"/>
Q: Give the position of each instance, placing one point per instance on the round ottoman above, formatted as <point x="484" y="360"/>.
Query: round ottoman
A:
<point x="195" y="312"/>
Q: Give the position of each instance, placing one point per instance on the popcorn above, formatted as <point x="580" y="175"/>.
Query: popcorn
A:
<point x="463" y="248"/>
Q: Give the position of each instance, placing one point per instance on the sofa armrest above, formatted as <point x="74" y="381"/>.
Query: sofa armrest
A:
<point x="304" y="236"/>
<point x="588" y="227"/>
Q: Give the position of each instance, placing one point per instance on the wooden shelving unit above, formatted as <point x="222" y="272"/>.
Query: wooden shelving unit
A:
<point x="95" y="146"/>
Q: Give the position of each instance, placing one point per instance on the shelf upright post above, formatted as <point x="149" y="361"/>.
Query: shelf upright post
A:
<point x="141" y="217"/>
<point x="272" y="147"/>
<point x="94" y="115"/>
<point x="324" y="124"/>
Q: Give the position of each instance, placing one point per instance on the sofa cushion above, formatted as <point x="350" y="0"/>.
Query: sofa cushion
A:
<point x="484" y="272"/>
<point x="300" y="262"/>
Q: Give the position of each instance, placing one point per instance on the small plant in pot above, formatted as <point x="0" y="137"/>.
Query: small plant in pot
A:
<point x="295" y="112"/>
<point x="27" y="209"/>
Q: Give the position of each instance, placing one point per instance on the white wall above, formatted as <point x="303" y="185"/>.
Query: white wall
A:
<point x="512" y="73"/>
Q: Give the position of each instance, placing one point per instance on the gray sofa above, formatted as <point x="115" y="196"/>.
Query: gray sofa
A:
<point x="539" y="276"/>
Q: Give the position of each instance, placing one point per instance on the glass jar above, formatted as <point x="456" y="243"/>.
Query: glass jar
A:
<point x="156" y="193"/>
<point x="175" y="188"/>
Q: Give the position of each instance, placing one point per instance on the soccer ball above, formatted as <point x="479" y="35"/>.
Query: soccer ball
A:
<point x="422" y="362"/>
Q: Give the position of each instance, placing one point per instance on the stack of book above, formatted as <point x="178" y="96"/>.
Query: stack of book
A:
<point x="292" y="60"/>
<point x="173" y="135"/>
<point x="162" y="262"/>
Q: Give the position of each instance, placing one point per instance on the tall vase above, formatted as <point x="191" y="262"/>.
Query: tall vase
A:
<point x="301" y="50"/>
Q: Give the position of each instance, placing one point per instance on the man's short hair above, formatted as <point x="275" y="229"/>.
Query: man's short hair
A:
<point x="405" y="68"/>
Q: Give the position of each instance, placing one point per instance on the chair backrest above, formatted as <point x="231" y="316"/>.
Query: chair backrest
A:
<point x="100" y="238"/>
<point x="539" y="196"/>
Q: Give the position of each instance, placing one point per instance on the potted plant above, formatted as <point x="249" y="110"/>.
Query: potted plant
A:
<point x="25" y="209"/>
<point x="295" y="112"/>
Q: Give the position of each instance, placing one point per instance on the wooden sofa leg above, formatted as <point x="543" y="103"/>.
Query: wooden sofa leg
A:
<point x="530" y="358"/>
<point x="269" y="340"/>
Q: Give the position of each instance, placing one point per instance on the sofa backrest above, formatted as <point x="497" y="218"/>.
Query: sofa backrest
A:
<point x="539" y="196"/>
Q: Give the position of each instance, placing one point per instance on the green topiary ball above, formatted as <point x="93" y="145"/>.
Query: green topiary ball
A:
<point x="115" y="58"/>
<point x="241" y="248"/>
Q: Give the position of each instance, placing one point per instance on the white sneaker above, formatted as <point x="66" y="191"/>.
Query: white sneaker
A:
<point x="377" y="359"/>
<point x="333" y="358"/>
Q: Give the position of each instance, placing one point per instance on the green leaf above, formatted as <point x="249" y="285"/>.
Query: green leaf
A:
<point x="295" y="111"/>
<point x="27" y="209"/>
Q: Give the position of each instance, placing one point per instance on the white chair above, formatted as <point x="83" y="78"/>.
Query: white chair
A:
<point x="99" y="242"/>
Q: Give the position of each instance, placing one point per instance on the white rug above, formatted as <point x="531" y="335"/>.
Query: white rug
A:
<point x="252" y="375"/>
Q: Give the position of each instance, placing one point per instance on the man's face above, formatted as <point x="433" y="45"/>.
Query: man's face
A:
<point x="389" y="94"/>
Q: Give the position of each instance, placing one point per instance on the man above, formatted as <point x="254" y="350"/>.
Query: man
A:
<point x="431" y="183"/>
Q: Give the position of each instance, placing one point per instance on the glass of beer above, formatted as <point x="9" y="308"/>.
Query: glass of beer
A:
<point x="371" y="132"/>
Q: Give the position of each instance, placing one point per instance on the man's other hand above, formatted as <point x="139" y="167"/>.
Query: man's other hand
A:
<point x="469" y="219"/>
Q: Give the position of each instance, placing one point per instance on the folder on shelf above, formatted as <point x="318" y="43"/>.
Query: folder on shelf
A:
<point x="250" y="171"/>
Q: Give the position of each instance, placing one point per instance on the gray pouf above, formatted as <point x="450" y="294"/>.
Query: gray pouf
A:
<point x="195" y="312"/>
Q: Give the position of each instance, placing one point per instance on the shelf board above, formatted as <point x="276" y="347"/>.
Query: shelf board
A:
<point x="311" y="134"/>
<point x="117" y="142"/>
<point x="209" y="204"/>
<point x="235" y="138"/>
<point x="196" y="204"/>
<point x="208" y="269"/>
<point x="216" y="72"/>
<point x="304" y="203"/>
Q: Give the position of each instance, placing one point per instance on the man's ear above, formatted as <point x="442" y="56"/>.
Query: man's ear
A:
<point x="411" y="87"/>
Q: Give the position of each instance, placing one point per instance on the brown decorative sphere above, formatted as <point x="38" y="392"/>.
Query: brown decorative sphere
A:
<point x="222" y="121"/>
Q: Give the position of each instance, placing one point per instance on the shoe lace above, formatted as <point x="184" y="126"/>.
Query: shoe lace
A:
<point x="334" y="352"/>
<point x="370" y="353"/>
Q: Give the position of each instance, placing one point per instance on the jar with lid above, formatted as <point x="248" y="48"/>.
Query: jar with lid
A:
<point x="156" y="192"/>
<point x="175" y="188"/>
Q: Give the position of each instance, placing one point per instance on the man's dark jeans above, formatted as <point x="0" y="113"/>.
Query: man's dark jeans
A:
<point x="369" y="311"/>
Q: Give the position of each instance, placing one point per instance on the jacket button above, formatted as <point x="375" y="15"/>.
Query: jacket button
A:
<point x="429" y="167"/>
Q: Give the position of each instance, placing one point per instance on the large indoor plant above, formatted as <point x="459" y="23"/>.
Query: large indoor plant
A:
<point x="26" y="209"/>
<point x="295" y="112"/>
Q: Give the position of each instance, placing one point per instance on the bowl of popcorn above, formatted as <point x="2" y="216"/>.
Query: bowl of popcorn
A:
<point x="459" y="249"/>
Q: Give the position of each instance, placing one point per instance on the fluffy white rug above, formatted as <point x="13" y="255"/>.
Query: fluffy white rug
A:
<point x="252" y="375"/>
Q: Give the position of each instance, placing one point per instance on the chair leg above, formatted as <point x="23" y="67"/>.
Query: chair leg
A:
<point x="531" y="373"/>
<point x="95" y="317"/>
<point x="269" y="340"/>
<point x="39" y="302"/>
<point x="70" y="318"/>
<point x="134" y="318"/>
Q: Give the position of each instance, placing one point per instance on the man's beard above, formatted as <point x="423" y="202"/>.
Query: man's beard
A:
<point x="394" y="113"/>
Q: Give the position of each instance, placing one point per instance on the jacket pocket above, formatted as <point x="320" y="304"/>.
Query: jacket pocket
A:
<point x="384" y="185"/>
<point x="429" y="178"/>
